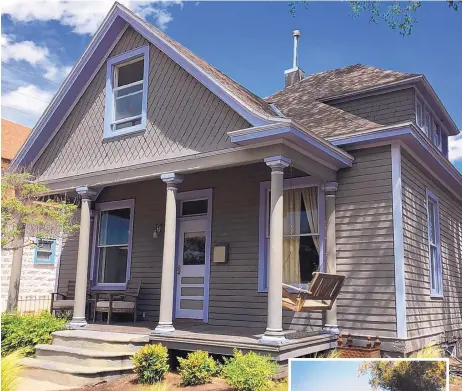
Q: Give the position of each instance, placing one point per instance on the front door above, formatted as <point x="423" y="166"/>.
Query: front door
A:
<point x="191" y="269"/>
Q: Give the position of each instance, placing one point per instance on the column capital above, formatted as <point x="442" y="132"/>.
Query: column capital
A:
<point x="277" y="163"/>
<point x="171" y="179"/>
<point x="86" y="193"/>
<point x="330" y="187"/>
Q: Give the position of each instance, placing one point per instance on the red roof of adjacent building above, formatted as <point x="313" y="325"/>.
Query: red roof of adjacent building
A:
<point x="13" y="137"/>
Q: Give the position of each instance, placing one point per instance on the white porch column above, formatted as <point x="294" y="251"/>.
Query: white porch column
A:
<point x="168" y="262"/>
<point x="274" y="332"/>
<point x="80" y="300"/>
<point x="330" y="188"/>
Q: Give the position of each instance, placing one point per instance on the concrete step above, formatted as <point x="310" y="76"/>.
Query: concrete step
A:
<point x="69" y="374"/>
<point x="84" y="357"/>
<point x="97" y="340"/>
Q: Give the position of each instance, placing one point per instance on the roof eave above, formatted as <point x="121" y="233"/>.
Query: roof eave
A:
<point x="413" y="139"/>
<point x="293" y="132"/>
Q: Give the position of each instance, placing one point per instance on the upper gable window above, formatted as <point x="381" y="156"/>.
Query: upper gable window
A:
<point x="427" y="121"/>
<point x="126" y="93"/>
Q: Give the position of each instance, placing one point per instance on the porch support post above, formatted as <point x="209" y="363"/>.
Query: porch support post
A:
<point x="168" y="262"/>
<point x="274" y="332"/>
<point x="330" y="188"/>
<point x="80" y="300"/>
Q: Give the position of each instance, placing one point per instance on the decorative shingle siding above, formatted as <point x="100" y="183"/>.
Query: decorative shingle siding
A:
<point x="183" y="118"/>
<point x="364" y="222"/>
<point x="384" y="109"/>
<point x="426" y="316"/>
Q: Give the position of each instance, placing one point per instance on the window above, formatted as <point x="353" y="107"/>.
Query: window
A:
<point x="44" y="251"/>
<point x="434" y="248"/>
<point x="126" y="93"/>
<point x="113" y="236"/>
<point x="303" y="234"/>
<point x="193" y="208"/>
<point x="432" y="128"/>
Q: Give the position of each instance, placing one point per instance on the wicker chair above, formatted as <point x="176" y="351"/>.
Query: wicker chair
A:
<point x="65" y="301"/>
<point x="121" y="303"/>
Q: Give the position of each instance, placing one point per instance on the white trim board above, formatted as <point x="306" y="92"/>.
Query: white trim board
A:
<point x="398" y="241"/>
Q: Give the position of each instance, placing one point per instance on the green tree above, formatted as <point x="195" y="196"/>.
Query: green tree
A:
<point x="406" y="375"/>
<point x="398" y="15"/>
<point x="25" y="204"/>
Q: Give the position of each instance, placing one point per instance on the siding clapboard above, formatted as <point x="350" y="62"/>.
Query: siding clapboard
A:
<point x="384" y="109"/>
<point x="364" y="224"/>
<point x="183" y="118"/>
<point x="428" y="316"/>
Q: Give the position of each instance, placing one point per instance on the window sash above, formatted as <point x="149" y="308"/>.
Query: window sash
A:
<point x="108" y="207"/>
<point x="434" y="246"/>
<point x="137" y="121"/>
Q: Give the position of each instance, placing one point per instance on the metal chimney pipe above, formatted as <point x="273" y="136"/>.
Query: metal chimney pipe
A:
<point x="296" y="35"/>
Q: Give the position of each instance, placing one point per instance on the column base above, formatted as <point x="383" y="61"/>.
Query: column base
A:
<point x="77" y="324"/>
<point x="163" y="329"/>
<point x="330" y="329"/>
<point x="272" y="337"/>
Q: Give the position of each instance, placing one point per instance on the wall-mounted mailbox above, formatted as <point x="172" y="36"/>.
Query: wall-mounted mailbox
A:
<point x="220" y="253"/>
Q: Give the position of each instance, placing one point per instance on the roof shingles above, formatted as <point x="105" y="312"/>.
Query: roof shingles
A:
<point x="302" y="101"/>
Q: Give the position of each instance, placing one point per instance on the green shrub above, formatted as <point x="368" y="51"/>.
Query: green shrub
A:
<point x="197" y="368"/>
<point x="26" y="331"/>
<point x="151" y="363"/>
<point x="249" y="372"/>
<point x="11" y="369"/>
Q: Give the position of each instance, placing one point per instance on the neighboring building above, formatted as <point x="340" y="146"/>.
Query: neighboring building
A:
<point x="13" y="137"/>
<point x="367" y="191"/>
<point x="39" y="265"/>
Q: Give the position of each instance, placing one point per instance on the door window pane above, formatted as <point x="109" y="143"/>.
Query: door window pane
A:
<point x="114" y="227"/>
<point x="190" y="208"/>
<point x="112" y="266"/>
<point x="194" y="248"/>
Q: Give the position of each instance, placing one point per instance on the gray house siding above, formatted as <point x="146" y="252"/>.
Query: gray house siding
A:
<point x="183" y="118"/>
<point x="365" y="246"/>
<point x="364" y="223"/>
<point x="426" y="316"/>
<point x="385" y="109"/>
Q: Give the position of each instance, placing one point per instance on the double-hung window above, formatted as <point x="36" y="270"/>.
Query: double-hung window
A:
<point x="113" y="242"/>
<point x="126" y="93"/>
<point x="303" y="233"/>
<point x="434" y="246"/>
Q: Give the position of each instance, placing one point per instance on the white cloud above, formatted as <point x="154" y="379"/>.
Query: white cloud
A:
<point x="37" y="56"/>
<point x="84" y="17"/>
<point x="30" y="99"/>
<point x="455" y="148"/>
<point x="22" y="51"/>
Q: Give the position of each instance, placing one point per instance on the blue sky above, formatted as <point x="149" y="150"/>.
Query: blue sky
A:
<point x="250" y="41"/>
<point x="328" y="376"/>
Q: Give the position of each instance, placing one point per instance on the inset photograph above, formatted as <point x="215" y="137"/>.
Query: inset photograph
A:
<point x="368" y="375"/>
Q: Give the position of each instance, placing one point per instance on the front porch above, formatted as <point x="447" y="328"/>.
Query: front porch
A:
<point x="212" y="274"/>
<point x="221" y="340"/>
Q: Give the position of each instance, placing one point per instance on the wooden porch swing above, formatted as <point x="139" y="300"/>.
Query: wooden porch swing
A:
<point x="320" y="295"/>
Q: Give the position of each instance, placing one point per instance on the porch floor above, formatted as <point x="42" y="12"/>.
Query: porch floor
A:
<point x="191" y="335"/>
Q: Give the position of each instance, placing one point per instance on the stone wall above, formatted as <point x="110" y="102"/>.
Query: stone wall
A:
<point x="36" y="280"/>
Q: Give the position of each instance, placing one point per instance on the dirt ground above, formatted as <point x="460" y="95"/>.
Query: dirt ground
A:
<point x="171" y="383"/>
<point x="456" y="386"/>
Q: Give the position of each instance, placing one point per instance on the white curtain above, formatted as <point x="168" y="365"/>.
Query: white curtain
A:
<point x="291" y="261"/>
<point x="310" y="198"/>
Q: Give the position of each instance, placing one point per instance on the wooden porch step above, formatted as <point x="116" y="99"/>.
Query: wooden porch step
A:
<point x="68" y="374"/>
<point x="84" y="357"/>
